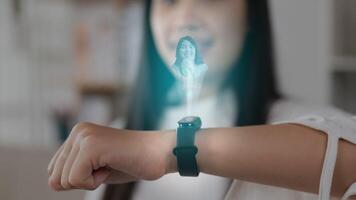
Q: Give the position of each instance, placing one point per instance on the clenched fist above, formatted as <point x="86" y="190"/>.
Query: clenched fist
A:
<point x="95" y="154"/>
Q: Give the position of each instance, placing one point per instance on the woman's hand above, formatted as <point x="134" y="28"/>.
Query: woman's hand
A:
<point x="95" y="154"/>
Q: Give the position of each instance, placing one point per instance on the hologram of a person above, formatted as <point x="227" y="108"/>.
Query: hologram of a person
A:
<point x="189" y="68"/>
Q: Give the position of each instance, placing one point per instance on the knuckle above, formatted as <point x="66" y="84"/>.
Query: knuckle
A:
<point x="63" y="157"/>
<point x="79" y="139"/>
<point x="88" y="142"/>
<point x="75" y="182"/>
<point x="64" y="183"/>
<point x="85" y="133"/>
<point x="82" y="127"/>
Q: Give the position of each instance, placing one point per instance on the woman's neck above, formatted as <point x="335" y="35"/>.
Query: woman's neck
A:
<point x="187" y="63"/>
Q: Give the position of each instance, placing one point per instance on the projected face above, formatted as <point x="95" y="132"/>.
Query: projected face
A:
<point x="188" y="62"/>
<point x="217" y="26"/>
<point x="187" y="51"/>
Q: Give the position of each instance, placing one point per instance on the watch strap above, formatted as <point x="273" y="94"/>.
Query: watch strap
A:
<point x="185" y="151"/>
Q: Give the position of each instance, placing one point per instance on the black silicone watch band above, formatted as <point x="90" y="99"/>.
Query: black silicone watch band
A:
<point x="186" y="151"/>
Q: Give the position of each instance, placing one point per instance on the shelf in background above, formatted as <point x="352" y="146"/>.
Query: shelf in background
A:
<point x="101" y="89"/>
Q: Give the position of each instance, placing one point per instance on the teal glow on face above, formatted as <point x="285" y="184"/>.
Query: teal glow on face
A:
<point x="217" y="26"/>
<point x="187" y="50"/>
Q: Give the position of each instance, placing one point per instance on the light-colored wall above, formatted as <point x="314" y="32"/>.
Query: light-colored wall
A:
<point x="302" y="37"/>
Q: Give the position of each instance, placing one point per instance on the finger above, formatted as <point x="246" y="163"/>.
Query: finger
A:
<point x="100" y="176"/>
<point x="67" y="167"/>
<point x="89" y="178"/>
<point x="55" y="179"/>
<point x="54" y="158"/>
<point x="80" y="175"/>
<point x="57" y="163"/>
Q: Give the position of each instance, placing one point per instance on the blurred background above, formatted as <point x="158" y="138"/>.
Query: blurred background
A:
<point x="65" y="61"/>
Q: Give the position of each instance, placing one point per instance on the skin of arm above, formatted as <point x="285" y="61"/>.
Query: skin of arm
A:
<point x="285" y="155"/>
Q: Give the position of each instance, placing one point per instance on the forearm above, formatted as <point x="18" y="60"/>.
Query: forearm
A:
<point x="288" y="155"/>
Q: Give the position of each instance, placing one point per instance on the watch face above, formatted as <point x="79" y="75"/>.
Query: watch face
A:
<point x="190" y="121"/>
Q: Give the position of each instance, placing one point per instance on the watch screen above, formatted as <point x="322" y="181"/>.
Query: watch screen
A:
<point x="187" y="120"/>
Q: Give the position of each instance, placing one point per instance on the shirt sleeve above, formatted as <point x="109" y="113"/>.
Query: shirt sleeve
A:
<point x="335" y="123"/>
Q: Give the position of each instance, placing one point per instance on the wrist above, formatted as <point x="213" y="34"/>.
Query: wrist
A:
<point x="168" y="141"/>
<point x="207" y="149"/>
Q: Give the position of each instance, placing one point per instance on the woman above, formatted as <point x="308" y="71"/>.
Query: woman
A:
<point x="188" y="62"/>
<point x="189" y="69"/>
<point x="246" y="96"/>
<point x="239" y="60"/>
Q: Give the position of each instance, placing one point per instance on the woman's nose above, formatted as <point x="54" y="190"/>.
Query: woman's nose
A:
<point x="187" y="18"/>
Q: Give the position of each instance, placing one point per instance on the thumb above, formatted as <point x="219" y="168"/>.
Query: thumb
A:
<point x="100" y="176"/>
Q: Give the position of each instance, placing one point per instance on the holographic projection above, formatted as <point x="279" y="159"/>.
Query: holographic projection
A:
<point x="189" y="69"/>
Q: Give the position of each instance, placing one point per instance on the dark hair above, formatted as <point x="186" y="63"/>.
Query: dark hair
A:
<point x="197" y="60"/>
<point x="252" y="79"/>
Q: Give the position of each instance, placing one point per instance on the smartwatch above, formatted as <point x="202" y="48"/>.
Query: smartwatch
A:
<point x="185" y="150"/>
